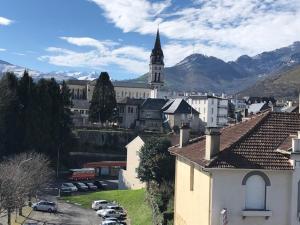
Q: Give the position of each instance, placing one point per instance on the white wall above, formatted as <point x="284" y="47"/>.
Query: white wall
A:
<point x="228" y="192"/>
<point x="128" y="178"/>
<point x="212" y="111"/>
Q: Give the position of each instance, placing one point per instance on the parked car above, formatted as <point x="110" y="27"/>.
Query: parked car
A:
<point x="45" y="206"/>
<point x="115" y="207"/>
<point x="81" y="186"/>
<point x="65" y="191"/>
<point x="110" y="213"/>
<point x="91" y="186"/>
<point x="71" y="186"/>
<point x="99" y="204"/>
<point x="115" y="219"/>
<point x="100" y="185"/>
<point x="110" y="222"/>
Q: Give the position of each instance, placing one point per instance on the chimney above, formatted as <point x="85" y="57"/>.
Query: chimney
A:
<point x="296" y="144"/>
<point x="290" y="103"/>
<point x="184" y="135"/>
<point x="212" y="146"/>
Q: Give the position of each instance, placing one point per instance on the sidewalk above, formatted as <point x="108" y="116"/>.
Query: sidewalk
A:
<point x="16" y="219"/>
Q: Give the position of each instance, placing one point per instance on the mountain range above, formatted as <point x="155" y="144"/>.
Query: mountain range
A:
<point x="203" y="73"/>
<point x="197" y="72"/>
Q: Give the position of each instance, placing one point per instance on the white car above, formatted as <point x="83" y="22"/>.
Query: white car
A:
<point x="99" y="204"/>
<point x="70" y="186"/>
<point x="45" y="206"/>
<point x="110" y="222"/>
<point x="111" y="213"/>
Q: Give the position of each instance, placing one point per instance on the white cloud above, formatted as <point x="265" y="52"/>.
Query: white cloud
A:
<point x="4" y="21"/>
<point x="103" y="53"/>
<point x="19" y="53"/>
<point x="242" y="27"/>
<point x="2" y="49"/>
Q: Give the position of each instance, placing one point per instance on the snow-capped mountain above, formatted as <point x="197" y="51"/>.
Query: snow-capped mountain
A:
<point x="18" y="70"/>
<point x="58" y="75"/>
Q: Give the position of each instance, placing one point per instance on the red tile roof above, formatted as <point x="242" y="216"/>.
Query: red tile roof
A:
<point x="250" y="145"/>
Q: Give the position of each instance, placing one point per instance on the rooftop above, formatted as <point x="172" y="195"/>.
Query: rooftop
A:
<point x="179" y="106"/>
<point x="77" y="82"/>
<point x="252" y="144"/>
<point x="131" y="101"/>
<point x="153" y="103"/>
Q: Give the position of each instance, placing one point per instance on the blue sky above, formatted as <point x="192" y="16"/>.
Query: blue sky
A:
<point x="117" y="35"/>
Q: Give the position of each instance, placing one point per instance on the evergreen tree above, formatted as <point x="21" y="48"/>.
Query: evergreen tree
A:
<point x="28" y="111"/>
<point x="103" y="101"/>
<point x="44" y="120"/>
<point x="9" y="109"/>
<point x="156" y="163"/>
<point x="66" y="138"/>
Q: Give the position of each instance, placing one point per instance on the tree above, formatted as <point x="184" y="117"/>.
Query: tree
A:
<point x="156" y="163"/>
<point x="9" y="109"/>
<point x="103" y="101"/>
<point x="22" y="176"/>
<point x="28" y="111"/>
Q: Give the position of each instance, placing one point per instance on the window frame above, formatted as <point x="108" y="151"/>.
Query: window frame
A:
<point x="267" y="183"/>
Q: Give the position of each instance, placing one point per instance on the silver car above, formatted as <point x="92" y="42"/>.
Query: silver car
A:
<point x="45" y="206"/>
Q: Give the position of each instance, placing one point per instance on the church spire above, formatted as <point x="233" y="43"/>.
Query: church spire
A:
<point x="157" y="55"/>
<point x="157" y="45"/>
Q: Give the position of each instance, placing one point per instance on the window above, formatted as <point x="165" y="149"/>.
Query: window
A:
<point x="256" y="190"/>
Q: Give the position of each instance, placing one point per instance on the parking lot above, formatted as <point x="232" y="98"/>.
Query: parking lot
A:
<point x="68" y="214"/>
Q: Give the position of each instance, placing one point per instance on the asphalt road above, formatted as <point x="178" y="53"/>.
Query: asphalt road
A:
<point x="68" y="214"/>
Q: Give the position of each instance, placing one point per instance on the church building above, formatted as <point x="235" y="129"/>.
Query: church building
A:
<point x="83" y="90"/>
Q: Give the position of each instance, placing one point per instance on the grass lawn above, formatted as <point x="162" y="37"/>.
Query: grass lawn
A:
<point x="132" y="200"/>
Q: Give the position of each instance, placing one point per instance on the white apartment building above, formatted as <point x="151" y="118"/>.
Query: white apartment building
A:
<point x="213" y="110"/>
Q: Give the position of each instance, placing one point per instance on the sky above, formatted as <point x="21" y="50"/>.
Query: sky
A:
<point x="117" y="35"/>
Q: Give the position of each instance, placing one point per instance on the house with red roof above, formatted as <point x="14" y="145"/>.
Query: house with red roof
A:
<point x="245" y="174"/>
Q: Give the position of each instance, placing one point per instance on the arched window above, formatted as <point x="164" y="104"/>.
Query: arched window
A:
<point x="256" y="183"/>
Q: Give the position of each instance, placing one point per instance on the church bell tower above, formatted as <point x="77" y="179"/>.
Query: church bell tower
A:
<point x="156" y="68"/>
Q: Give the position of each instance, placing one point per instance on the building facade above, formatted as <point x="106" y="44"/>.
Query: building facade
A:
<point x="213" y="111"/>
<point x="128" y="177"/>
<point x="246" y="174"/>
<point x="156" y="68"/>
<point x="178" y="112"/>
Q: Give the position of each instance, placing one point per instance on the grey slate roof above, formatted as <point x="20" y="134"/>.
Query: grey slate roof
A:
<point x="257" y="107"/>
<point x="77" y="82"/>
<point x="180" y="106"/>
<point x="153" y="104"/>
<point x="129" y="84"/>
<point x="131" y="101"/>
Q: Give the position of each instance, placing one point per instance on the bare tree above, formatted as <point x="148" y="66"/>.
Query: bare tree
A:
<point x="21" y="177"/>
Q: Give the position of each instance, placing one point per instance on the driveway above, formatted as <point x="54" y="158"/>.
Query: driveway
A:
<point x="68" y="214"/>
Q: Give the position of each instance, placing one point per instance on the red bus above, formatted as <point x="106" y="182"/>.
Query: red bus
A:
<point x="82" y="174"/>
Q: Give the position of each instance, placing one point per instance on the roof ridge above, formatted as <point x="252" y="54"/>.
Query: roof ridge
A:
<point x="264" y="115"/>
